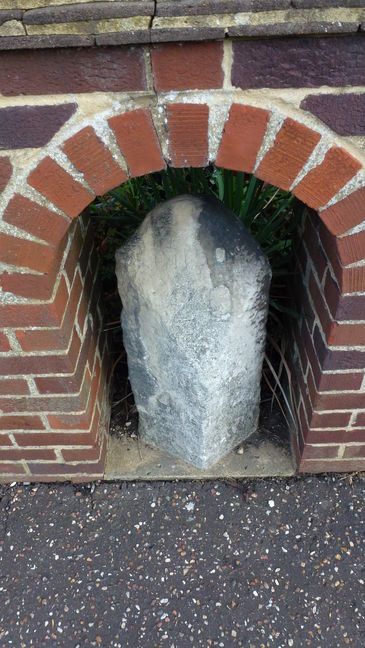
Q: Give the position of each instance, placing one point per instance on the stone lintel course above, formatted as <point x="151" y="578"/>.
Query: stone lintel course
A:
<point x="41" y="24"/>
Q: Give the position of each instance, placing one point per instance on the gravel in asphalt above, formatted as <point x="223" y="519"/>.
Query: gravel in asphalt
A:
<point x="265" y="563"/>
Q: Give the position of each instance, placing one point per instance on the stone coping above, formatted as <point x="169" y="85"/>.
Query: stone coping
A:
<point x="64" y="23"/>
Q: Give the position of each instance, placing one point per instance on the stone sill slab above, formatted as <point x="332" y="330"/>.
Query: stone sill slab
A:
<point x="27" y="24"/>
<point x="130" y="460"/>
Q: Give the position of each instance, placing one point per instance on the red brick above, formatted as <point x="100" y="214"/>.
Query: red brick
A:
<point x="337" y="334"/>
<point x="323" y="182"/>
<point x="66" y="469"/>
<point x="32" y="286"/>
<point x="59" y="187"/>
<point x="137" y="139"/>
<point x="49" y="314"/>
<point x="5" y="442"/>
<point x="187" y="66"/>
<point x="344" y="401"/>
<point x="351" y="249"/>
<point x="346" y="213"/>
<point x="346" y="335"/>
<point x="16" y="454"/>
<point x="25" y="254"/>
<point x="89" y="155"/>
<point x="54" y="339"/>
<point x="360" y="420"/>
<point x="6" y="171"/>
<point x="335" y="436"/>
<point x="73" y="254"/>
<point x="77" y="421"/>
<point x="47" y="470"/>
<point x="320" y="452"/>
<point x="4" y="343"/>
<point x="68" y="384"/>
<point x="293" y="145"/>
<point x="352" y="279"/>
<point x="21" y="423"/>
<point x="330" y="420"/>
<point x="318" y="259"/>
<point x="14" y="387"/>
<point x="188" y="134"/>
<point x="331" y="465"/>
<point x="11" y="469"/>
<point x="354" y="452"/>
<point x="33" y="364"/>
<point x="320" y="306"/>
<point x="343" y="307"/>
<point x="87" y="249"/>
<point x="339" y="382"/>
<point x="41" y="404"/>
<point x="242" y="138"/>
<point x="27" y="285"/>
<point x="55" y="404"/>
<point x="36" y="219"/>
<point x="61" y="70"/>
<point x="92" y="454"/>
<point x="337" y="359"/>
<point x="54" y="439"/>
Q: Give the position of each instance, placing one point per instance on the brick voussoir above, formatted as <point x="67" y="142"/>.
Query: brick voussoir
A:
<point x="188" y="134"/>
<point x="90" y="156"/>
<point x="242" y="137"/>
<point x="324" y="181"/>
<point x="138" y="141"/>
<point x="56" y="184"/>
<point x="36" y="219"/>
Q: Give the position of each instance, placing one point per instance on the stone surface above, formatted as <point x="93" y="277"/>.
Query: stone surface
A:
<point x="201" y="7"/>
<point x="88" y="11"/>
<point x="194" y="287"/>
<point x="129" y="459"/>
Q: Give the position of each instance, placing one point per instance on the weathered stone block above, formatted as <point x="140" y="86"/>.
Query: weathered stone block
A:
<point x="194" y="286"/>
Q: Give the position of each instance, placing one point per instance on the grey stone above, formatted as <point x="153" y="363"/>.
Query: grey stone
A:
<point x="194" y="287"/>
<point x="200" y="7"/>
<point x="293" y="28"/>
<point x="165" y="34"/>
<point x="10" y="14"/>
<point x="40" y="42"/>
<point x="87" y="11"/>
<point x="124" y="38"/>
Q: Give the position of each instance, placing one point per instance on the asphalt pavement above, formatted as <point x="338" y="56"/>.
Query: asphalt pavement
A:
<point x="258" y="563"/>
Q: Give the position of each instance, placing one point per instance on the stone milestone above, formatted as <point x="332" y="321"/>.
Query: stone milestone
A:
<point x="194" y="286"/>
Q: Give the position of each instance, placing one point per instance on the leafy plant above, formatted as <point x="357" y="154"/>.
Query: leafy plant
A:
<point x="270" y="214"/>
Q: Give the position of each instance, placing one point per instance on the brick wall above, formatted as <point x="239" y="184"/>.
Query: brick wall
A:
<point x="76" y="123"/>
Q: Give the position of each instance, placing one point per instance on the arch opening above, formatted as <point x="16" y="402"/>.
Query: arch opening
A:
<point x="52" y="361"/>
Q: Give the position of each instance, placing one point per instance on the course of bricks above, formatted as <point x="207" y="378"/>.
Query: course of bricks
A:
<point x="74" y="124"/>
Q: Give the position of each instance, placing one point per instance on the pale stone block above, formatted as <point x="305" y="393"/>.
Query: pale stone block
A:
<point x="194" y="286"/>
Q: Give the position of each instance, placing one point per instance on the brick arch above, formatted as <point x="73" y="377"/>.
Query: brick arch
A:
<point x="55" y="372"/>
